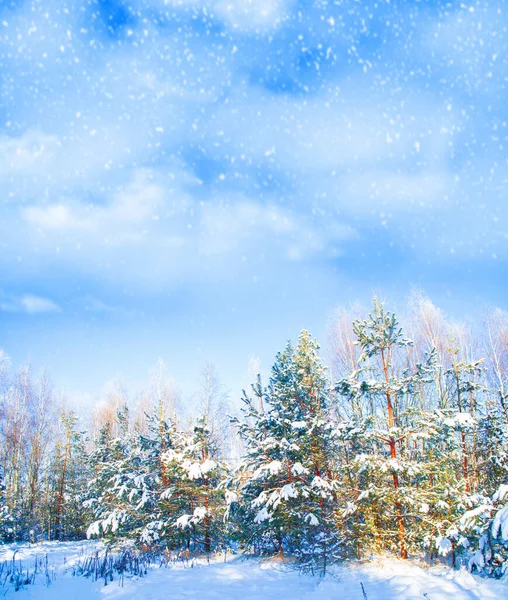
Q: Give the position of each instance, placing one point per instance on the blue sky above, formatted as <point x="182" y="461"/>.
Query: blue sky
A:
<point x="199" y="179"/>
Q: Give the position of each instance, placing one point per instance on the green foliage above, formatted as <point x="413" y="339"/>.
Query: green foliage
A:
<point x="403" y="457"/>
<point x="407" y="454"/>
<point x="286" y="483"/>
<point x="5" y="517"/>
<point x="158" y="490"/>
<point x="486" y="526"/>
<point x="379" y="333"/>
<point x="68" y="475"/>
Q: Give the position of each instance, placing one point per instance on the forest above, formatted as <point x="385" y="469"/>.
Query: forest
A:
<point x="391" y="441"/>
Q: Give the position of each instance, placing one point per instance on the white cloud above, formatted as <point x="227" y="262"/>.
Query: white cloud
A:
<point x="243" y="226"/>
<point x="151" y="235"/>
<point x="36" y="304"/>
<point x="55" y="216"/>
<point x="389" y="190"/>
<point x="334" y="129"/>
<point x="248" y="15"/>
<point x="129" y="207"/>
<point x="30" y="304"/>
<point x="241" y="15"/>
<point x="97" y="158"/>
<point x="29" y="154"/>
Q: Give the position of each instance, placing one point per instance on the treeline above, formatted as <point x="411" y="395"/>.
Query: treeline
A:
<point x="400" y="447"/>
<point x="36" y="473"/>
<point x="46" y="447"/>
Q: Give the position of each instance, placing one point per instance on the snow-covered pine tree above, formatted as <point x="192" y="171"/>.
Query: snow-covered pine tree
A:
<point x="158" y="490"/>
<point x="493" y="424"/>
<point x="116" y="495"/>
<point x="286" y="482"/>
<point x="465" y="390"/>
<point x="154" y="478"/>
<point x="452" y="457"/>
<point x="486" y="525"/>
<point x="490" y="444"/>
<point x="442" y="493"/>
<point x="354" y="439"/>
<point x="5" y="517"/>
<point x="192" y="498"/>
<point x="382" y="445"/>
<point x="492" y="448"/>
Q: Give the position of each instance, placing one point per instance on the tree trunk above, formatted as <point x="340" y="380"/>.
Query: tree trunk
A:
<point x="393" y="453"/>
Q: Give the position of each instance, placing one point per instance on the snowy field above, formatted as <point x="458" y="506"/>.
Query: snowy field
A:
<point x="248" y="579"/>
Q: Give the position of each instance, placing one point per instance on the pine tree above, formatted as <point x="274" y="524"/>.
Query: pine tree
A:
<point x="457" y="461"/>
<point x="442" y="490"/>
<point x="492" y="449"/>
<point x="465" y="386"/>
<point x="486" y="525"/>
<point x="67" y="482"/>
<point x="156" y="478"/>
<point x="159" y="490"/>
<point x="193" y="495"/>
<point x="116" y="495"/>
<point x="6" y="532"/>
<point x="383" y="444"/>
<point x="286" y="482"/>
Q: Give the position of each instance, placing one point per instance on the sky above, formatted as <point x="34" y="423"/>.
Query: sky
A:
<point x="198" y="180"/>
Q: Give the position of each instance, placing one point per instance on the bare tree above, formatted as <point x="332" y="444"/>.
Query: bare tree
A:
<point x="214" y="405"/>
<point x="106" y="412"/>
<point x="40" y="435"/>
<point x="496" y="353"/>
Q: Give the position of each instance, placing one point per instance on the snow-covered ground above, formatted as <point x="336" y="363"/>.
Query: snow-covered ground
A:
<point x="247" y="579"/>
